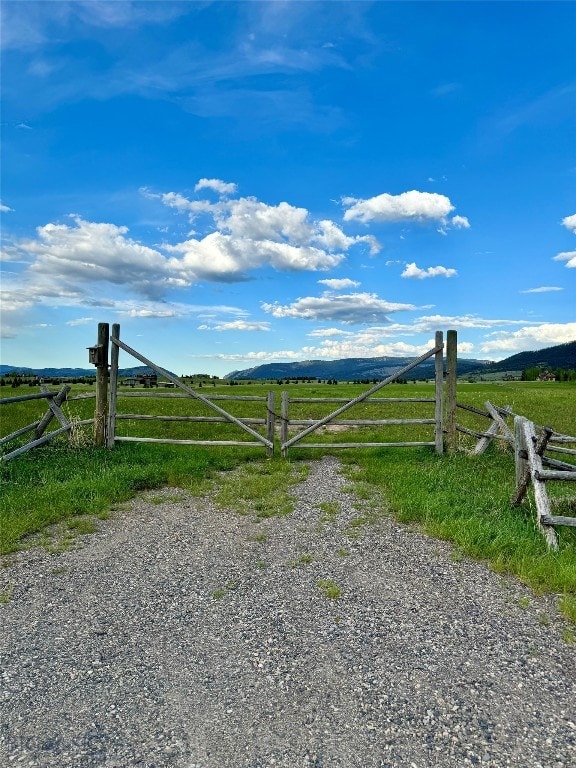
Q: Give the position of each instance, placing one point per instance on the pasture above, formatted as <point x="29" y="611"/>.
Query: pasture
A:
<point x="457" y="497"/>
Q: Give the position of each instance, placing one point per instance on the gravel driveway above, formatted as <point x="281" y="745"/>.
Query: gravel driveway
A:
<point x="184" y="636"/>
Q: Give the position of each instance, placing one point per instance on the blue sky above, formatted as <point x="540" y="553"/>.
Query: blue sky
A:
<point x="243" y="182"/>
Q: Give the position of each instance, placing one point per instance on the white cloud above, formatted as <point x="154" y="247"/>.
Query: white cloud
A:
<point x="460" y="222"/>
<point x="332" y="237"/>
<point x="332" y="350"/>
<point x="530" y="338"/>
<point x="347" y="308"/>
<point x="159" y="309"/>
<point x="338" y="284"/>
<point x="543" y="289"/>
<point x="222" y="187"/>
<point x="224" y="258"/>
<point x="569" y="257"/>
<point x="236" y="325"/>
<point x="408" y="206"/>
<point x="5" y="208"/>
<point x="570" y="223"/>
<point x="420" y="274"/>
<point x="251" y="234"/>
<point x="431" y="323"/>
<point x="81" y="321"/>
<point x="183" y="205"/>
<point x="327" y="332"/>
<point x="89" y="252"/>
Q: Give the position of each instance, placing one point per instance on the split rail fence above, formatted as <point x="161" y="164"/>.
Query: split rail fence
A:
<point x="534" y="468"/>
<point x="38" y="428"/>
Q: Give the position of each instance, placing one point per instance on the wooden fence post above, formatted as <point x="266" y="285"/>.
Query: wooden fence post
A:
<point x="114" y="352"/>
<point x="101" y="363"/>
<point x="439" y="379"/>
<point x="270" y="422"/>
<point x="284" y="421"/>
<point x="451" y="376"/>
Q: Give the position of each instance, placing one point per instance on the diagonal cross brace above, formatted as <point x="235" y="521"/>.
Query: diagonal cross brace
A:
<point x="55" y="410"/>
<point x="361" y="397"/>
<point x="191" y="392"/>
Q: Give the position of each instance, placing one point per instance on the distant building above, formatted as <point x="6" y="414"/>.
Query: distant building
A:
<point x="546" y="376"/>
<point x="146" y="380"/>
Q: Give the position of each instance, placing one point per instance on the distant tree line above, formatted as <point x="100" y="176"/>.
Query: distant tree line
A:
<point x="560" y="374"/>
<point x="15" y="380"/>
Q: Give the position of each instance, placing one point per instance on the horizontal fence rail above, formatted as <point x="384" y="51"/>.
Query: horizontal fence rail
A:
<point x="38" y="427"/>
<point x="259" y="440"/>
<point x="312" y="425"/>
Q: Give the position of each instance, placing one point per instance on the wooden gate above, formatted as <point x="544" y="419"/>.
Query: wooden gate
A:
<point x="223" y="415"/>
<point x="332" y="418"/>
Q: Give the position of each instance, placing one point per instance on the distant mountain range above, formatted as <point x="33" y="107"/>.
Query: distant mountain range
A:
<point x="560" y="356"/>
<point x="350" y="369"/>
<point x="68" y="373"/>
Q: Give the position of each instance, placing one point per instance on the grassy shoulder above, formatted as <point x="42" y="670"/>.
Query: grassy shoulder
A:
<point x="58" y="483"/>
<point x="466" y="500"/>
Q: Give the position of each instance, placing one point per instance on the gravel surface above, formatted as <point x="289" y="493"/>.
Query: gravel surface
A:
<point x="183" y="636"/>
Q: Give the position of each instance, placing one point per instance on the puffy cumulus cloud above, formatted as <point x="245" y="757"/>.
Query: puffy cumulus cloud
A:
<point x="529" y="338"/>
<point x="544" y="288"/>
<point x="192" y="207"/>
<point x="5" y="208"/>
<point x="331" y="236"/>
<point x="408" y="206"/>
<point x="339" y="284"/>
<point x="250" y="234"/>
<point x="224" y="258"/>
<point x="460" y="222"/>
<point x="569" y="257"/>
<point x="353" y="308"/>
<point x="236" y="325"/>
<point x="222" y="187"/>
<point x="88" y="252"/>
<point x="570" y="223"/>
<point x="420" y="274"/>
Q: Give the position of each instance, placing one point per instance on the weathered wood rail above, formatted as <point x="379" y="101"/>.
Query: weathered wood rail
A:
<point x="530" y="461"/>
<point x="40" y="437"/>
<point x="332" y="419"/>
<point x="244" y="424"/>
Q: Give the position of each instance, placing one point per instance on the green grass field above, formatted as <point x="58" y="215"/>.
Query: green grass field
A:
<point x="460" y="498"/>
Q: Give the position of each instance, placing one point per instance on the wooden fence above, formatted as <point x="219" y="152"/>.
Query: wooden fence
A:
<point x="534" y="468"/>
<point x="333" y="420"/>
<point x="104" y="355"/>
<point x="245" y="425"/>
<point x="40" y="436"/>
<point x="530" y="460"/>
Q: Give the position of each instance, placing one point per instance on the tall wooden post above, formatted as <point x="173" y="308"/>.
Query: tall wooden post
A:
<point x="270" y="422"/>
<point x="451" y="376"/>
<point x="439" y="389"/>
<point x="114" y="352"/>
<point x="101" y="363"/>
<point x="284" y="405"/>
